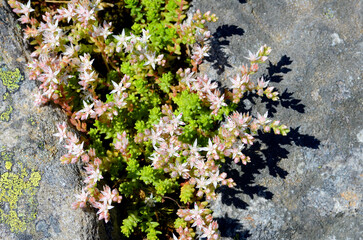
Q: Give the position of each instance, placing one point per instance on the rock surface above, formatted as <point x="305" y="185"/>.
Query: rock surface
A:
<point x="36" y="190"/>
<point x="307" y="185"/>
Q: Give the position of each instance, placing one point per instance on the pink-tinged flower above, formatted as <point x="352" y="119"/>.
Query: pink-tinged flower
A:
<point x="156" y="159"/>
<point x="71" y="50"/>
<point x="68" y="12"/>
<point x="24" y="9"/>
<point x="72" y="138"/>
<point x="176" y="121"/>
<point x="85" y="15"/>
<point x="62" y="134"/>
<point x="103" y="210"/>
<point x="77" y="150"/>
<point x="201" y="167"/>
<point x="252" y="57"/>
<point x="262" y="119"/>
<point x="236" y="82"/>
<point x="184" y="234"/>
<point x="202" y="183"/>
<point x="81" y="200"/>
<point x="39" y="99"/>
<point x="86" y="62"/>
<point x="92" y="152"/>
<point x="85" y="158"/>
<point x="121" y="142"/>
<point x="116" y="196"/>
<point x="51" y="39"/>
<point x="240" y="119"/>
<point x="236" y="150"/>
<point x="94" y="174"/>
<point x="86" y="111"/>
<point x="151" y="60"/>
<point x="193" y="160"/>
<point x="30" y="32"/>
<point x="194" y="149"/>
<point x="179" y="170"/>
<point x="24" y="19"/>
<point x="207" y="85"/>
<point x="254" y="67"/>
<point x="86" y="78"/>
<point x="49" y="75"/>
<point x="120" y="101"/>
<point x="105" y="32"/>
<point x="199" y="223"/>
<point x="172" y="150"/>
<point x="216" y="102"/>
<point x="199" y="53"/>
<point x="211" y="149"/>
<point x="155" y="137"/>
<point x="99" y="108"/>
<point x="120" y="87"/>
<point x="188" y="77"/>
<point x="150" y="201"/>
<point x="145" y="36"/>
<point x="215" y="178"/>
<point x="66" y="158"/>
<point x="97" y="162"/>
<point x="210" y="232"/>
<point x="262" y="83"/>
<point x="49" y="91"/>
<point x="247" y="139"/>
<point x="196" y="212"/>
<point x="121" y="41"/>
<point x="106" y="195"/>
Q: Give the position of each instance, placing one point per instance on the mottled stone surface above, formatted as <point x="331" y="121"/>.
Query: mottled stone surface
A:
<point x="307" y="185"/>
<point x="36" y="190"/>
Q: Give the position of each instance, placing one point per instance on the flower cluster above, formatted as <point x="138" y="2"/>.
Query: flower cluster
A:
<point x="150" y="119"/>
<point x="202" y="220"/>
<point x="93" y="165"/>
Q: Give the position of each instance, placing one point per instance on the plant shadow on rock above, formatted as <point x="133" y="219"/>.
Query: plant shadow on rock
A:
<point x="217" y="57"/>
<point x="286" y="100"/>
<point x="267" y="151"/>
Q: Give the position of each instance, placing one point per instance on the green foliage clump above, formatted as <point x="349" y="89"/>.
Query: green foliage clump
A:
<point x="154" y="129"/>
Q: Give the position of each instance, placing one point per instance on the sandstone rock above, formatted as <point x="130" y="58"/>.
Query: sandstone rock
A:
<point x="36" y="190"/>
<point x="307" y="185"/>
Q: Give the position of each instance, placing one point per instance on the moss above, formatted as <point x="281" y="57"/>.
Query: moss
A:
<point x="18" y="187"/>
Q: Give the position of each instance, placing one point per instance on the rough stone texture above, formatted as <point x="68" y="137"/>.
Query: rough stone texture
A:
<point x="307" y="185"/>
<point x="36" y="190"/>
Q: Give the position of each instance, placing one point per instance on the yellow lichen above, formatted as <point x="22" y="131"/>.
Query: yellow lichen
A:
<point x="8" y="165"/>
<point x="6" y="95"/>
<point x="17" y="194"/>
<point x="6" y="156"/>
<point x="5" y="116"/>
<point x="32" y="121"/>
<point x="10" y="79"/>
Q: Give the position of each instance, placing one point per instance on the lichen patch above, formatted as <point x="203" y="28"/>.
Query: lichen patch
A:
<point x="18" y="188"/>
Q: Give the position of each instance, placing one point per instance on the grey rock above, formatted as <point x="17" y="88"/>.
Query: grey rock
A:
<point x="36" y="190"/>
<point x="307" y="185"/>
